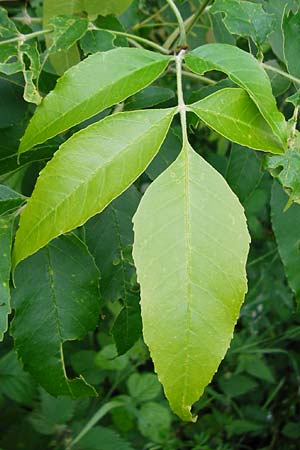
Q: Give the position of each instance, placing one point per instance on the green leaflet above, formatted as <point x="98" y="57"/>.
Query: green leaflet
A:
<point x="291" y="42"/>
<point x="286" y="225"/>
<point x="67" y="30"/>
<point x="56" y="300"/>
<point x="245" y="19"/>
<point x="190" y="250"/>
<point x="88" y="171"/>
<point x="6" y="229"/>
<point x="105" y="7"/>
<point x="9" y="199"/>
<point x="244" y="70"/>
<point x="98" y="82"/>
<point x="232" y="113"/>
<point x="109" y="236"/>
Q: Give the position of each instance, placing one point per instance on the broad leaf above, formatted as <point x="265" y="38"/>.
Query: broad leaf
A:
<point x="286" y="225"/>
<point x="190" y="250"/>
<point x="245" y="19"/>
<point x="232" y="113"/>
<point x="98" y="82"/>
<point x="56" y="300"/>
<point x="6" y="229"/>
<point x="109" y="236"/>
<point x="244" y="70"/>
<point x="88" y="171"/>
<point x="9" y="199"/>
<point x="291" y="42"/>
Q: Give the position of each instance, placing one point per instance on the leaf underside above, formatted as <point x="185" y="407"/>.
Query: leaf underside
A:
<point x="190" y="250"/>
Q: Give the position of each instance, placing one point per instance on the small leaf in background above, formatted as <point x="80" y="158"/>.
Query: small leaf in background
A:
<point x="143" y="387"/>
<point x="221" y="34"/>
<point x="99" y="438"/>
<point x="9" y="199"/>
<point x="236" y="385"/>
<point x="51" y="413"/>
<point x="79" y="94"/>
<point x="294" y="99"/>
<point x="286" y="225"/>
<point x="286" y="168"/>
<point x="12" y="111"/>
<point x="14" y="382"/>
<point x="280" y="84"/>
<point x="105" y="7"/>
<point x="243" y="172"/>
<point x="56" y="299"/>
<point x="148" y="97"/>
<point x="9" y="62"/>
<point x="108" y="359"/>
<point x="232" y="113"/>
<point x="120" y="147"/>
<point x="192" y="274"/>
<point x="109" y="237"/>
<point x="245" y="19"/>
<point x="7" y="26"/>
<point x="154" y="421"/>
<point x="67" y="30"/>
<point x="31" y="72"/>
<point x="238" y="64"/>
<point x="97" y="41"/>
<point x="6" y="231"/>
<point x="291" y="42"/>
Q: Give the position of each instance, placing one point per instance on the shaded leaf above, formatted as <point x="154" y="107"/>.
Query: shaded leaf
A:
<point x="148" y="97"/>
<point x="79" y="94"/>
<point x="245" y="19"/>
<point x="244" y="70"/>
<point x="286" y="225"/>
<point x="97" y="41"/>
<point x="99" y="438"/>
<point x="6" y="230"/>
<point x="9" y="199"/>
<point x="105" y="7"/>
<point x="56" y="300"/>
<point x="119" y="149"/>
<point x="143" y="386"/>
<point x="67" y="30"/>
<point x="192" y="274"/>
<point x="154" y="421"/>
<point x="291" y="42"/>
<point x="167" y="154"/>
<point x="232" y="113"/>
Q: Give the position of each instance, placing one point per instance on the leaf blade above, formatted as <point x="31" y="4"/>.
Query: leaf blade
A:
<point x="79" y="95"/>
<point x="82" y="187"/>
<point x="171" y="228"/>
<point x="6" y="230"/>
<point x="238" y="65"/>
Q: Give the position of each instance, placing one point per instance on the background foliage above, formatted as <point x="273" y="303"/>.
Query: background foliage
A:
<point x="253" y="401"/>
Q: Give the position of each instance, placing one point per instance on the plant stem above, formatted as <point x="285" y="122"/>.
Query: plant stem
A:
<point x="134" y="38"/>
<point x="181" y="25"/>
<point x="181" y="103"/>
<point x="281" y="72"/>
<point x="197" y="15"/>
<point x="25" y="37"/>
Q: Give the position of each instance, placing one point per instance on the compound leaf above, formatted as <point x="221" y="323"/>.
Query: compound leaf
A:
<point x="232" y="113"/>
<point x="56" y="300"/>
<point x="88" y="171"/>
<point x="244" y="70"/>
<point x="190" y="250"/>
<point x="100" y="81"/>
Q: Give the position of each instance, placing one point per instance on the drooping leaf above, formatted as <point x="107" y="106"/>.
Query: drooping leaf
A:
<point x="56" y="300"/>
<point x="232" y="113"/>
<point x="9" y="199"/>
<point x="15" y="383"/>
<point x="286" y="168"/>
<point x="291" y="42"/>
<point x="243" y="172"/>
<point x="286" y="225"/>
<point x="6" y="230"/>
<point x="243" y="69"/>
<point x="245" y="19"/>
<point x="109" y="236"/>
<point x="88" y="171"/>
<point x="67" y="30"/>
<point x="79" y="94"/>
<point x="190" y="250"/>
